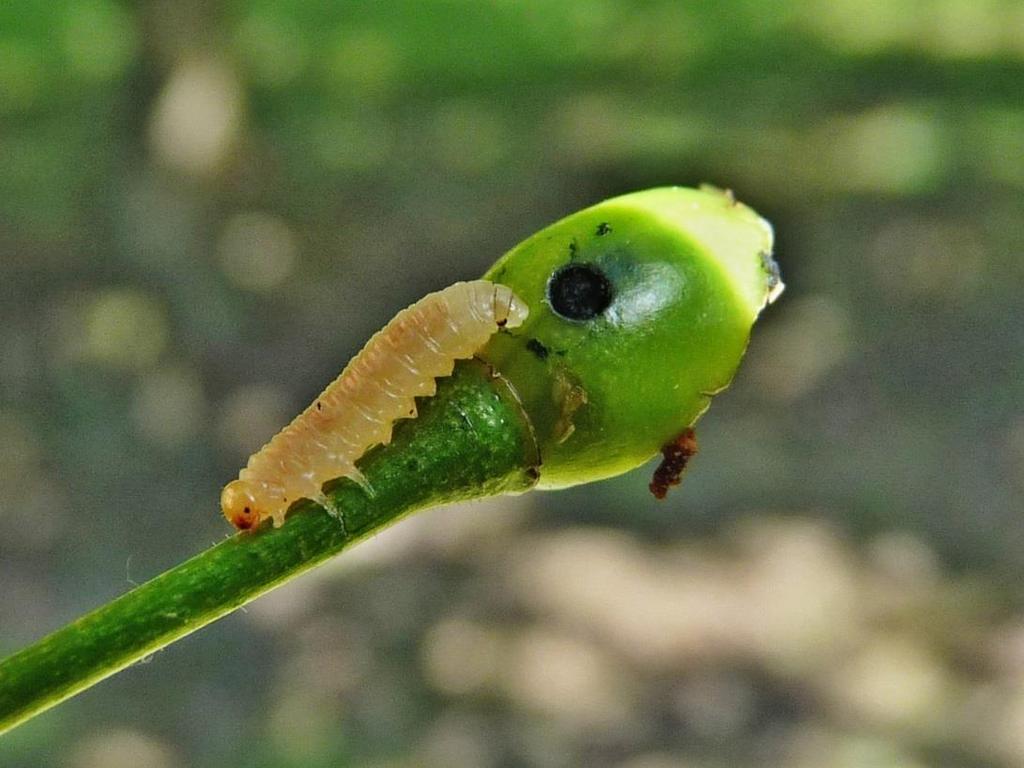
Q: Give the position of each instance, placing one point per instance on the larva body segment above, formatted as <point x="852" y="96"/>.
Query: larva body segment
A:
<point x="358" y="409"/>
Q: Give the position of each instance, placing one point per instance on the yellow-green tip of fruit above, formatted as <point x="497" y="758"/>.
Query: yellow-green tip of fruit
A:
<point x="739" y="239"/>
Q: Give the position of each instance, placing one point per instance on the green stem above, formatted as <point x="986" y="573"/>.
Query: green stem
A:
<point x="471" y="440"/>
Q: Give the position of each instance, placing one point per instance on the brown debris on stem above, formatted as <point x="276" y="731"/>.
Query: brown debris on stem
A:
<point x="675" y="456"/>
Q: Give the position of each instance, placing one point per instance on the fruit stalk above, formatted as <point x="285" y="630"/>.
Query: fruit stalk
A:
<point x="470" y="440"/>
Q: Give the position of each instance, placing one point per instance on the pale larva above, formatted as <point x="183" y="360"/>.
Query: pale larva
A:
<point x="357" y="410"/>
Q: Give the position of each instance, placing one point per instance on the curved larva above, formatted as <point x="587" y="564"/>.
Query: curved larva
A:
<point x="357" y="410"/>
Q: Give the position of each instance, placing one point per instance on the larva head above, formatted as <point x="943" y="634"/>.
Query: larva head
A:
<point x="640" y="309"/>
<point x="238" y="503"/>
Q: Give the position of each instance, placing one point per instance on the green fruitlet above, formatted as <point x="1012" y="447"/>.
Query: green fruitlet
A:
<point x="641" y="308"/>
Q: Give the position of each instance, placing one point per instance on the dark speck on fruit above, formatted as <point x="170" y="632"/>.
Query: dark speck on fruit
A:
<point x="538" y="349"/>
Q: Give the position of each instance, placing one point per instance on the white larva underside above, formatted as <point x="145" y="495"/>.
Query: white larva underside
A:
<point x="359" y="408"/>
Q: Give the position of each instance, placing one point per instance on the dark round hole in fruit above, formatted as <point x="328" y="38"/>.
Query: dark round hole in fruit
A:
<point x="579" y="292"/>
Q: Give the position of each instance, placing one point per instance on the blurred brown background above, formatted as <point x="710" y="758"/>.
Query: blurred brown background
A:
<point x="207" y="207"/>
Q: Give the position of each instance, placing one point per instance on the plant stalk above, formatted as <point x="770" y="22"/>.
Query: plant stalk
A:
<point x="470" y="440"/>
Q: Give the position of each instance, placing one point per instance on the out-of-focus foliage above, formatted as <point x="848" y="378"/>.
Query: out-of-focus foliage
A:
<point x="206" y="207"/>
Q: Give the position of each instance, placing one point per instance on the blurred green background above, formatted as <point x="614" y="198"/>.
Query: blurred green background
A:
<point x="207" y="207"/>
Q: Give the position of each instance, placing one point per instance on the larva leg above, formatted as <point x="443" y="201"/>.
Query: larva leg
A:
<point x="359" y="479"/>
<point x="332" y="509"/>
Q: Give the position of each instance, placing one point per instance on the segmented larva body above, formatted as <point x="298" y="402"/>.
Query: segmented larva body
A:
<point x="358" y="409"/>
